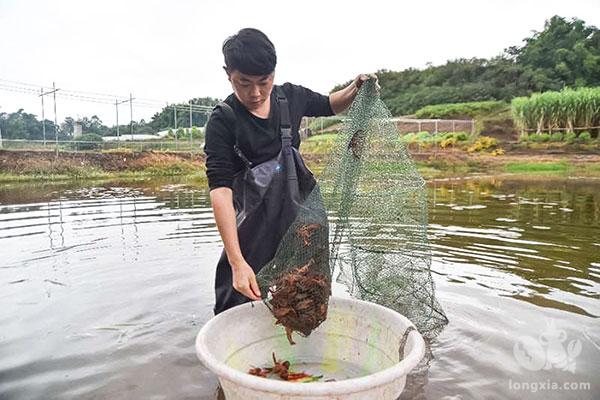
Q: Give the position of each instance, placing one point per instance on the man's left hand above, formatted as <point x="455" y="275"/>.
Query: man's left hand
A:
<point x="362" y="78"/>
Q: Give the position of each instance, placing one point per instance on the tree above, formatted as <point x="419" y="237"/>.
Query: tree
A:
<point x="68" y="126"/>
<point x="22" y="125"/>
<point x="565" y="53"/>
<point x="165" y="118"/>
<point x="94" y="125"/>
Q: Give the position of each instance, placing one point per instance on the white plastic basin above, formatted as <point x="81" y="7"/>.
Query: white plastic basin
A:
<point x="358" y="346"/>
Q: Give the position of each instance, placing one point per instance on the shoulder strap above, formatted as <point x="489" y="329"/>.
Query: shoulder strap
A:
<point x="284" y="110"/>
<point x="230" y="118"/>
<point x="286" y="140"/>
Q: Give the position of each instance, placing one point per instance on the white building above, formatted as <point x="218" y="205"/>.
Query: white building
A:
<point x="77" y="129"/>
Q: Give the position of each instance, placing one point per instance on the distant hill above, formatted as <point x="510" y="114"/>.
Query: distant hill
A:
<point x="565" y="54"/>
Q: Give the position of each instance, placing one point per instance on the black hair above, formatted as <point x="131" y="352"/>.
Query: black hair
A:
<point x="250" y="52"/>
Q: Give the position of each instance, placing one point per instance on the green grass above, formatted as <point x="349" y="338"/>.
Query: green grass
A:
<point x="461" y="110"/>
<point x="588" y="169"/>
<point x="90" y="173"/>
<point x="438" y="168"/>
<point x="319" y="144"/>
<point x="538" y="167"/>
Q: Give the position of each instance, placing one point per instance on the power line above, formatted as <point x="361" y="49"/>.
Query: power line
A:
<point x="74" y="91"/>
<point x="21" y="83"/>
<point x="16" y="89"/>
<point x="9" y="88"/>
<point x="195" y="107"/>
<point x="102" y="98"/>
<point x="105" y="98"/>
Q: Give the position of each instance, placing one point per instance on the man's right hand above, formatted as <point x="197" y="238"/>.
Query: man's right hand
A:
<point x="244" y="280"/>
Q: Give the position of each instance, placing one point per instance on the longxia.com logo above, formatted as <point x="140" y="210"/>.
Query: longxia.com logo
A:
<point x="550" y="350"/>
<point x="541" y="386"/>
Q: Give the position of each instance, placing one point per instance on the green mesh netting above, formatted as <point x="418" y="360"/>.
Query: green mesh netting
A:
<point x="378" y="203"/>
<point x="296" y="284"/>
<point x="378" y="247"/>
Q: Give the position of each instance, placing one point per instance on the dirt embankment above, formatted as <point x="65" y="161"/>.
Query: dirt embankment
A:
<point x="462" y="156"/>
<point x="70" y="164"/>
<point x="19" y="162"/>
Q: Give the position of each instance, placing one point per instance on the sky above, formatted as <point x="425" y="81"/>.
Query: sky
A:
<point x="170" y="51"/>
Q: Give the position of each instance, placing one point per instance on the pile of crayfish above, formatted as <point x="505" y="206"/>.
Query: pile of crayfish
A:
<point x="282" y="369"/>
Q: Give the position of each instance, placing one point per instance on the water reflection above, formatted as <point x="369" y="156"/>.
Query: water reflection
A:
<point x="537" y="242"/>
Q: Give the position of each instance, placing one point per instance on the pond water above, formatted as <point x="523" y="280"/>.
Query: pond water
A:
<point x="104" y="286"/>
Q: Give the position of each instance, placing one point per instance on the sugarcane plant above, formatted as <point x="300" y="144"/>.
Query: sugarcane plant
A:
<point x="568" y="110"/>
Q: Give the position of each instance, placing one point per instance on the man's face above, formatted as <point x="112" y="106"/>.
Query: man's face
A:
<point x="251" y="90"/>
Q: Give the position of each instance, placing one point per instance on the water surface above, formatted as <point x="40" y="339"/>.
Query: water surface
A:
<point x="104" y="287"/>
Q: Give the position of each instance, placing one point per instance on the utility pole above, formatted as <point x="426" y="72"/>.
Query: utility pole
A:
<point x="190" y="126"/>
<point x="53" y="93"/>
<point x="43" y="118"/>
<point x="131" y="115"/>
<point x="175" y="117"/>
<point x="117" y="110"/>
<point x="55" y="121"/>
<point x="117" y="115"/>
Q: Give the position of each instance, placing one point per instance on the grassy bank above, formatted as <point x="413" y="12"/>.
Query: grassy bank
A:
<point x="429" y="169"/>
<point x="527" y="168"/>
<point x="439" y="165"/>
<point x="25" y="166"/>
<point x="448" y="167"/>
<point x="91" y="173"/>
<point x="474" y="158"/>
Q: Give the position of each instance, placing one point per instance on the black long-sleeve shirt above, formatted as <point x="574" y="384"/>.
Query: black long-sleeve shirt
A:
<point x="259" y="139"/>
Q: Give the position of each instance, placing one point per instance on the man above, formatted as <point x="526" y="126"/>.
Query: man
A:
<point x="244" y="132"/>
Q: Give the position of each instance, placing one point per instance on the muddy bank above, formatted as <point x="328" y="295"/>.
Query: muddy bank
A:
<point x="18" y="166"/>
<point x="27" y="162"/>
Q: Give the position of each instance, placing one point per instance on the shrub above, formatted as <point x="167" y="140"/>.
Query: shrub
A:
<point x="556" y="137"/>
<point x="570" y="137"/>
<point x="584" y="137"/>
<point x="423" y="136"/>
<point x="444" y="139"/>
<point x="524" y="137"/>
<point x="451" y="141"/>
<point x="197" y="133"/>
<point x="545" y="137"/>
<point x="482" y="143"/>
<point x="461" y="136"/>
<point x="535" y="138"/>
<point x="409" y="138"/>
<point x="460" y="110"/>
<point x="91" y="141"/>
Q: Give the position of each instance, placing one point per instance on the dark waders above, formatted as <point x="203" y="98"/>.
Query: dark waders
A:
<point x="266" y="199"/>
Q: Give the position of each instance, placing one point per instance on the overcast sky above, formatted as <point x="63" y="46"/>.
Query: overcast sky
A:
<point x="171" y="50"/>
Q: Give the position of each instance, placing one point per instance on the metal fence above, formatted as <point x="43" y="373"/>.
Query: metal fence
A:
<point x="190" y="146"/>
<point x="406" y="125"/>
